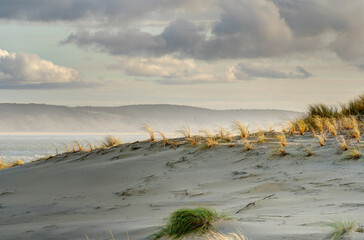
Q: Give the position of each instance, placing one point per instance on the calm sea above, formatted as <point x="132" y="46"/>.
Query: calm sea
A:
<point x="28" y="147"/>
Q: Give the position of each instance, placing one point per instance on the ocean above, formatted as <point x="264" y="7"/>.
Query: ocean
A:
<point x="29" y="147"/>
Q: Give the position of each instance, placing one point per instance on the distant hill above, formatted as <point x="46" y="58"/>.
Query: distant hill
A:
<point x="51" y="118"/>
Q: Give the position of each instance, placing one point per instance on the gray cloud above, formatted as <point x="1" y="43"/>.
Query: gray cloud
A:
<point x="29" y="71"/>
<point x="103" y="11"/>
<point x="246" y="29"/>
<point x="241" y="29"/>
<point x="246" y="72"/>
<point x="341" y="19"/>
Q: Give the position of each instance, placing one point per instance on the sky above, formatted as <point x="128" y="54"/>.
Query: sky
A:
<point x="219" y="54"/>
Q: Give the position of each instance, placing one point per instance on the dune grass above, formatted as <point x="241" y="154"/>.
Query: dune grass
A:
<point x="150" y="131"/>
<point x="354" y="154"/>
<point x="343" y="144"/>
<point x="248" y="145"/>
<point x="241" y="129"/>
<point x="261" y="136"/>
<point x="279" y="151"/>
<point x="110" y="141"/>
<point x="186" y="221"/>
<point x="4" y="165"/>
<point x="282" y="139"/>
<point x="322" y="139"/>
<point x="308" y="150"/>
<point x="185" y="131"/>
<point x="301" y="126"/>
<point x="332" y="118"/>
<point x="341" y="228"/>
<point x="209" y="140"/>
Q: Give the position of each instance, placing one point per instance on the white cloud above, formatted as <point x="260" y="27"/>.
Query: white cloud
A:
<point x="26" y="70"/>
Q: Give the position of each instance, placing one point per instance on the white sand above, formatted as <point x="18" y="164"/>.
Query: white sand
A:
<point x="134" y="187"/>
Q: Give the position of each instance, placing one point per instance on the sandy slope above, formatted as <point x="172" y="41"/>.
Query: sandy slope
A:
<point x="134" y="187"/>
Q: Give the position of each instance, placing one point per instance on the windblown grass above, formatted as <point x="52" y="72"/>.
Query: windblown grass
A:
<point x="185" y="131"/>
<point x="343" y="144"/>
<point x="282" y="139"/>
<point x="241" y="128"/>
<point x="261" y="137"/>
<point x="322" y="139"/>
<point x="354" y="153"/>
<point x="331" y="118"/>
<point x="301" y="126"/>
<point x="110" y="141"/>
<point x="341" y="228"/>
<point x="150" y="131"/>
<point x="355" y="132"/>
<point x="309" y="151"/>
<point x="292" y="127"/>
<point x="192" y="141"/>
<point x="185" y="221"/>
<point x="209" y="140"/>
<point x="354" y="106"/>
<point x="279" y="151"/>
<point x="224" y="134"/>
<point x="248" y="145"/>
<point x="3" y="165"/>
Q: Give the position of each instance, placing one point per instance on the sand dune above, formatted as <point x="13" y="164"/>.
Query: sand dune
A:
<point x="134" y="187"/>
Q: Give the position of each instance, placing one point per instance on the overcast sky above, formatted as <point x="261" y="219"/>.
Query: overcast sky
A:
<point x="220" y="54"/>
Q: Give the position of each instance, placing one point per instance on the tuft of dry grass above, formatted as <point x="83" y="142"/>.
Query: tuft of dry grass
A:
<point x="343" y="144"/>
<point x="261" y="136"/>
<point x="3" y="165"/>
<point x="192" y="141"/>
<point x="301" y="126"/>
<point x="309" y="151"/>
<point x="210" y="140"/>
<point x="78" y="145"/>
<point x="355" y="132"/>
<point x="280" y="151"/>
<point x="354" y="153"/>
<point x="241" y="128"/>
<point x="164" y="138"/>
<point x="248" y="145"/>
<point x="292" y="127"/>
<point x="282" y="139"/>
<point x="322" y="139"/>
<point x="150" y="131"/>
<point x="167" y="142"/>
<point x="318" y="123"/>
<point x="110" y="141"/>
<point x="90" y="147"/>
<point x="224" y="134"/>
<point x="331" y="126"/>
<point x="185" y="131"/>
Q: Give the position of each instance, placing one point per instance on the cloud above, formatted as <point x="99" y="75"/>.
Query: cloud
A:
<point x="166" y="66"/>
<point x="245" y="29"/>
<point x="29" y="71"/>
<point x="314" y="18"/>
<point x="247" y="72"/>
<point x="107" y="11"/>
<point x="168" y="70"/>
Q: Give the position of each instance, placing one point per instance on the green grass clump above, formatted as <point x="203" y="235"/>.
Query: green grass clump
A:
<point x="187" y="221"/>
<point x="339" y="228"/>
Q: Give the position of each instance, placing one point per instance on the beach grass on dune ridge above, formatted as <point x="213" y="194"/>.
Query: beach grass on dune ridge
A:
<point x="186" y="221"/>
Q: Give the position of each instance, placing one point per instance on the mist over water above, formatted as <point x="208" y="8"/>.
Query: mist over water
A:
<point x="29" y="147"/>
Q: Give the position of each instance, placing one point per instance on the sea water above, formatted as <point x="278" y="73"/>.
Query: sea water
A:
<point x="29" y="147"/>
